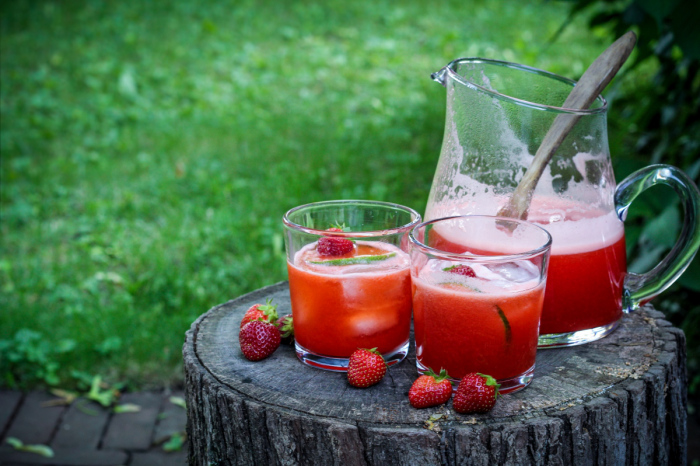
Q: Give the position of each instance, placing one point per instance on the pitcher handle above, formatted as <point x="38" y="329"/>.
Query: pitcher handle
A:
<point x="640" y="288"/>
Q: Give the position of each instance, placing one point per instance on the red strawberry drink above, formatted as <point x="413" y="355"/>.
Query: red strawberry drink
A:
<point x="350" y="287"/>
<point x="363" y="304"/>
<point x="479" y="310"/>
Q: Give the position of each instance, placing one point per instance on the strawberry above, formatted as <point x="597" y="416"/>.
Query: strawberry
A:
<point x="334" y="246"/>
<point x="285" y="325"/>
<point x="266" y="312"/>
<point x="430" y="389"/>
<point x="476" y="393"/>
<point x="366" y="367"/>
<point x="461" y="269"/>
<point x="259" y="339"/>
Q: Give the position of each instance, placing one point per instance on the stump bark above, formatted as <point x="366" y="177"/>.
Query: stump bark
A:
<point x="620" y="400"/>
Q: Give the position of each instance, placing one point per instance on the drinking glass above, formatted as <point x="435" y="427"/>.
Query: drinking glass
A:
<point x="345" y="300"/>
<point x="479" y="286"/>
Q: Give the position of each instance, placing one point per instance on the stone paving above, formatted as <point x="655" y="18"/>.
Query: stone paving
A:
<point x="86" y="434"/>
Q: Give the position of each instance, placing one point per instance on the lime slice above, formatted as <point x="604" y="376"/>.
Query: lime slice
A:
<point x="458" y="285"/>
<point x="355" y="260"/>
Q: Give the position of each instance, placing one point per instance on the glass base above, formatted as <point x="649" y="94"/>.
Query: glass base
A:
<point x="510" y="385"/>
<point x="341" y="364"/>
<point x="580" y="337"/>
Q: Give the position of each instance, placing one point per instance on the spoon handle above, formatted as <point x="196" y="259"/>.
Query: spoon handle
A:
<point x="593" y="81"/>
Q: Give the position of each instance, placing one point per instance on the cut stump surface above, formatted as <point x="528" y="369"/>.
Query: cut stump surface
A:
<point x="620" y="400"/>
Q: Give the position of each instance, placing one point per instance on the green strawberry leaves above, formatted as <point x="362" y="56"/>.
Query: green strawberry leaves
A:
<point x="491" y="382"/>
<point x="268" y="307"/>
<point x="286" y="326"/>
<point x="438" y="377"/>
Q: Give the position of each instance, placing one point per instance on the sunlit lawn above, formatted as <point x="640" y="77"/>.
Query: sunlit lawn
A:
<point x="149" y="150"/>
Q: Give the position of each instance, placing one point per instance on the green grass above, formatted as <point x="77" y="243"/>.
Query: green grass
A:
<point x="150" y="149"/>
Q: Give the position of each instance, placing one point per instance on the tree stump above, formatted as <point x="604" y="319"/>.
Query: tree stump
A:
<point x="620" y="400"/>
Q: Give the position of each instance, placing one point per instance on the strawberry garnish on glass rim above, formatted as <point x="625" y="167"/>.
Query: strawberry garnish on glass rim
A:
<point x="461" y="269"/>
<point x="334" y="245"/>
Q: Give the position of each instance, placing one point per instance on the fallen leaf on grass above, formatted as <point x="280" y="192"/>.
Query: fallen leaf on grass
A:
<point x="178" y="401"/>
<point x="42" y="450"/>
<point x="64" y="398"/>
<point x="103" y="397"/>
<point x="430" y="422"/>
<point x="175" y="442"/>
<point x="127" y="408"/>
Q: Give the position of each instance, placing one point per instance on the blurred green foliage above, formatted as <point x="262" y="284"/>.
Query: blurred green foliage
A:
<point x="150" y="149"/>
<point x="661" y="116"/>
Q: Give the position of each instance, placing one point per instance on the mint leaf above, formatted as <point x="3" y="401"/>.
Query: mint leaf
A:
<point x="506" y="324"/>
<point x="355" y="260"/>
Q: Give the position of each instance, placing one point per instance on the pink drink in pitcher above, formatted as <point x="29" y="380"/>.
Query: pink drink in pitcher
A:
<point x="587" y="265"/>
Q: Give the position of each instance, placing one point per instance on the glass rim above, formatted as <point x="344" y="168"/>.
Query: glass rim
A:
<point x="551" y="108"/>
<point x="353" y="234"/>
<point x="478" y="257"/>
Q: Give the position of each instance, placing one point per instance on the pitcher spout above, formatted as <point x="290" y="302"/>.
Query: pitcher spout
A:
<point x="439" y="76"/>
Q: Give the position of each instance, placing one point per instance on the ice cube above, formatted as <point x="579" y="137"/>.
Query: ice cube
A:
<point x="372" y="322"/>
<point x="515" y="272"/>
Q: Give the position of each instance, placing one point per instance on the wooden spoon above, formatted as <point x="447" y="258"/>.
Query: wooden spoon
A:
<point x="593" y="81"/>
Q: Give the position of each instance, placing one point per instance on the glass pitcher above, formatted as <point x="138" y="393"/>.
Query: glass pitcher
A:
<point x="497" y="115"/>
